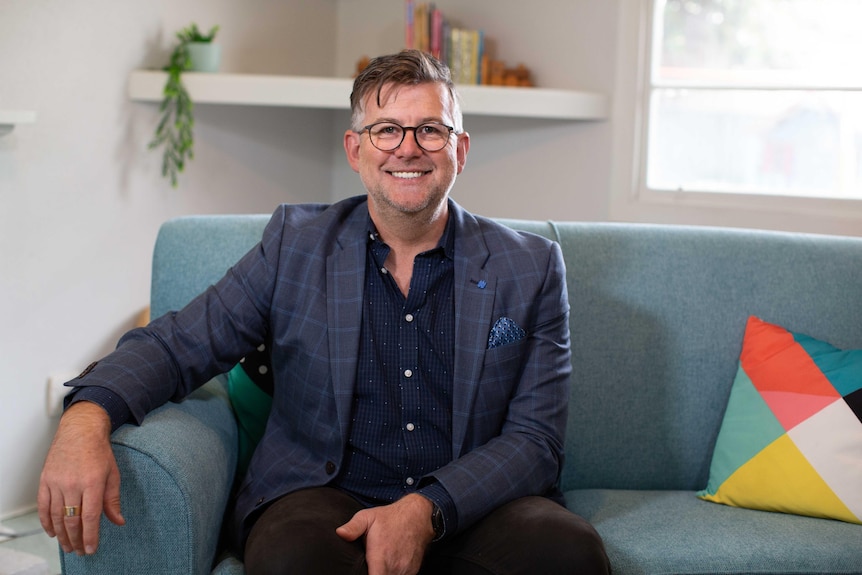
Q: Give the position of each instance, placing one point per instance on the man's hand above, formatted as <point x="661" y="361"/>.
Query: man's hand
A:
<point x="396" y="535"/>
<point x="80" y="470"/>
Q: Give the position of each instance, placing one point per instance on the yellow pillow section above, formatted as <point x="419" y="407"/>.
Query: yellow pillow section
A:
<point x="791" y="438"/>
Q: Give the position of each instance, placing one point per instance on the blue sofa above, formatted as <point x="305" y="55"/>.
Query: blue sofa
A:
<point x="658" y="314"/>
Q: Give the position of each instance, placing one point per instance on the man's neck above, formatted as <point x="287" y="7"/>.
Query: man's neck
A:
<point x="407" y="236"/>
<point x="411" y="234"/>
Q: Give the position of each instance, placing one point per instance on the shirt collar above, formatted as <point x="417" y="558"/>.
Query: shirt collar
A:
<point x="446" y="243"/>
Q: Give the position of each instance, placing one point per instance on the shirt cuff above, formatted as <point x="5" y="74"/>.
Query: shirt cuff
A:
<point x="441" y="498"/>
<point x="118" y="410"/>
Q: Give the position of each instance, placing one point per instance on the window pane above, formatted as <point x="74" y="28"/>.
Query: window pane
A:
<point x="757" y="96"/>
<point x="758" y="42"/>
<point x="755" y="141"/>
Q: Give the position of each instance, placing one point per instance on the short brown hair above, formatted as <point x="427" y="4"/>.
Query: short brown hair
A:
<point x="406" y="68"/>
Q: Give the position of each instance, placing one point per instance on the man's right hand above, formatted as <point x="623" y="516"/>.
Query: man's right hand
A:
<point x="80" y="470"/>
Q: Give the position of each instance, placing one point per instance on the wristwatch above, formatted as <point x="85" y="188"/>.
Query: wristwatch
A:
<point x="437" y="523"/>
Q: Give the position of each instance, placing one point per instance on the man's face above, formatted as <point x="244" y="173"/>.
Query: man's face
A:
<point x="407" y="180"/>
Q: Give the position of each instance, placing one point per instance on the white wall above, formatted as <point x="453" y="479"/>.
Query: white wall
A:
<point x="81" y="197"/>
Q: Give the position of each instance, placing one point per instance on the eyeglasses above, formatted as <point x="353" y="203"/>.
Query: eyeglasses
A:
<point x="388" y="136"/>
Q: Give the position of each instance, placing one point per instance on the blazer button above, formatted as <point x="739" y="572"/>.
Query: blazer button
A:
<point x="330" y="468"/>
<point x="259" y="501"/>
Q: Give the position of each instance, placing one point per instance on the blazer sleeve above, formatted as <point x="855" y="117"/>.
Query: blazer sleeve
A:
<point x="183" y="349"/>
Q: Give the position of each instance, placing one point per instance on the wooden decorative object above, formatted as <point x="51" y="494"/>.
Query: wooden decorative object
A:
<point x="499" y="75"/>
<point x="361" y="65"/>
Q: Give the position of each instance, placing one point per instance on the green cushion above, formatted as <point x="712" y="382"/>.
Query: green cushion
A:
<point x="251" y="405"/>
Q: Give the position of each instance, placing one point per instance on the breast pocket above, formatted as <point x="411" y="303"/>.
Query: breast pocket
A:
<point x="503" y="366"/>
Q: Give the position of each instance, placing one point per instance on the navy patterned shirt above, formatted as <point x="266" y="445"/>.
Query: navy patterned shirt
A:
<point x="401" y="428"/>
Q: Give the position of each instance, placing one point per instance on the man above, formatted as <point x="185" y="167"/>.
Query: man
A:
<point x="421" y="360"/>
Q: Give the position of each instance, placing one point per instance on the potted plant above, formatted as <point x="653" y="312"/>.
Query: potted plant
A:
<point x="204" y="54"/>
<point x="174" y="130"/>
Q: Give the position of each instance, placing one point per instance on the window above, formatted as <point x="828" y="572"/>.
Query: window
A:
<point x="760" y="97"/>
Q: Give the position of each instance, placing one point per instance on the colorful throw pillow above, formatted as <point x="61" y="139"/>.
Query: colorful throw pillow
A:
<point x="791" y="439"/>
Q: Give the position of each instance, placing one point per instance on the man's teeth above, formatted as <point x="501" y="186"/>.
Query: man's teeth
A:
<point x="407" y="175"/>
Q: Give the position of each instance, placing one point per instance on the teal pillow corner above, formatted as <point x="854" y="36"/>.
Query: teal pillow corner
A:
<point x="251" y="406"/>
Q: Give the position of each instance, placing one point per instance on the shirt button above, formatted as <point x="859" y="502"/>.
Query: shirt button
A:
<point x="408" y="373"/>
<point x="409" y="481"/>
<point x="408" y="317"/>
<point x="410" y="427"/>
<point x="384" y="271"/>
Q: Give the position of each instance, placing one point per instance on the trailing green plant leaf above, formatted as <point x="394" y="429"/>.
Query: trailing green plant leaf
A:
<point x="174" y="130"/>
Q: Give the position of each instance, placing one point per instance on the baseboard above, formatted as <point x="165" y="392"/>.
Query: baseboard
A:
<point x="18" y="512"/>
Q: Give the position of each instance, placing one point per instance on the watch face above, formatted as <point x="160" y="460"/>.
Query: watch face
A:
<point x="437" y="522"/>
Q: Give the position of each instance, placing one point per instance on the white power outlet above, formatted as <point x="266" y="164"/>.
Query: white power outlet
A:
<point x="55" y="392"/>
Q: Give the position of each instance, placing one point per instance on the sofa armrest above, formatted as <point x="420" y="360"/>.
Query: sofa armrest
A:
<point x="176" y="473"/>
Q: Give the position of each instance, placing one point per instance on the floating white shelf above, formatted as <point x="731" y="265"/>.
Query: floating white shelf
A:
<point x="334" y="93"/>
<point x="11" y="118"/>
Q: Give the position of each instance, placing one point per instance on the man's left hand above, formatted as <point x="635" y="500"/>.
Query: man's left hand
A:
<point x="396" y="535"/>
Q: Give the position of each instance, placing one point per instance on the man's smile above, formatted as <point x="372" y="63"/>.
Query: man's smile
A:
<point x="409" y="175"/>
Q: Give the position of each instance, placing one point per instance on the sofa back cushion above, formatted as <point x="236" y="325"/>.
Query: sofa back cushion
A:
<point x="658" y="315"/>
<point x="193" y="252"/>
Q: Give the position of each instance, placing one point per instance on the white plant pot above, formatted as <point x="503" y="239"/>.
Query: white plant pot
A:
<point x="204" y="56"/>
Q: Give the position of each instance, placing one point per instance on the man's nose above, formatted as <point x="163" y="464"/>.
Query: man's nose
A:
<point x="409" y="145"/>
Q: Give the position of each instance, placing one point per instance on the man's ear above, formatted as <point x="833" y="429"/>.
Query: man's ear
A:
<point x="463" y="148"/>
<point x="351" y="148"/>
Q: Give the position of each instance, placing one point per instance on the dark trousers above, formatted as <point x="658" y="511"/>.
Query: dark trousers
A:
<point x="533" y="535"/>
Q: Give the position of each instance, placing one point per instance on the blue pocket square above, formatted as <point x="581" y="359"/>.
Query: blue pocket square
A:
<point x="505" y="331"/>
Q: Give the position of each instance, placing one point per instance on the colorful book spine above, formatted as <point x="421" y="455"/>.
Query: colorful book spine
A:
<point x="436" y="33"/>
<point x="409" y="39"/>
<point x="478" y="52"/>
<point x="421" y="25"/>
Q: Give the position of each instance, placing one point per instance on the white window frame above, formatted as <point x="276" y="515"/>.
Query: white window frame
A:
<point x="632" y="200"/>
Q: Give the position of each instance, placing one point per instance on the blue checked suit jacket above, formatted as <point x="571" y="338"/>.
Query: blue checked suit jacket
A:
<point x="303" y="285"/>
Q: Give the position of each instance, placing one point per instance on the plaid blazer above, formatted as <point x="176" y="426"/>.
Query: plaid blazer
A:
<point x="302" y="286"/>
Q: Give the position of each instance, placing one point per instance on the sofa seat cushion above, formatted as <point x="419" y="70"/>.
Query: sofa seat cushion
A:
<point x="674" y="532"/>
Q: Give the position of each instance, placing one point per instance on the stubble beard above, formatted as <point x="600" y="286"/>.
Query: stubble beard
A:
<point x="424" y="211"/>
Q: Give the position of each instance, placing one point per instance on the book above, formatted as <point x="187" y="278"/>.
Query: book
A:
<point x="409" y="37"/>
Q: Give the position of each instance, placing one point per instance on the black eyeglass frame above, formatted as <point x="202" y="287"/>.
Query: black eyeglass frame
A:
<point x="404" y="130"/>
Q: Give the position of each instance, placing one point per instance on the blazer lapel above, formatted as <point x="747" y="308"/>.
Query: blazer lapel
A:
<point x="475" y="290"/>
<point x="345" y="280"/>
